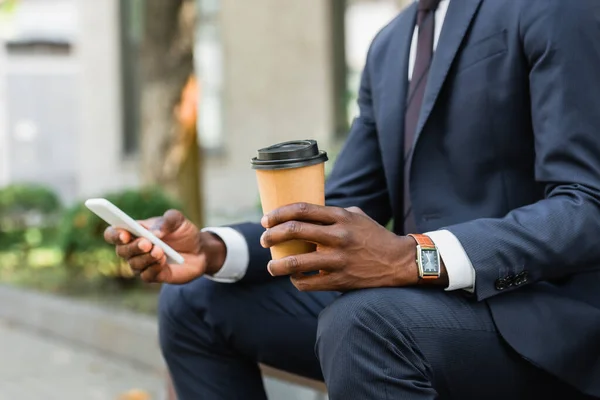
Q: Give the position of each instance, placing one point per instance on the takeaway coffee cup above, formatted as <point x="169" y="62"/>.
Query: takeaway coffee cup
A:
<point x="287" y="173"/>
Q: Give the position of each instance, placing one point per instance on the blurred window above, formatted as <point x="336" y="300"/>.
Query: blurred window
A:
<point x="38" y="47"/>
<point x="41" y="91"/>
<point x="209" y="69"/>
<point x="131" y="19"/>
<point x="340" y="66"/>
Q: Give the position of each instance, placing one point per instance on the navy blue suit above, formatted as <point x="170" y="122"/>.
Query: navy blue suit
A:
<point x="507" y="158"/>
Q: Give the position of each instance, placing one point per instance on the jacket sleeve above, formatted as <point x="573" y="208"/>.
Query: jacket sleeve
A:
<point x="357" y="179"/>
<point x="557" y="236"/>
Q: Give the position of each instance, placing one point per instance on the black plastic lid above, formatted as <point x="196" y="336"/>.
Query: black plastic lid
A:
<point x="294" y="154"/>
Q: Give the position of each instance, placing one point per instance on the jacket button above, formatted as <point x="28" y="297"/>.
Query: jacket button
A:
<point x="501" y="284"/>
<point x="521" y="278"/>
<point x="519" y="281"/>
<point x="510" y="280"/>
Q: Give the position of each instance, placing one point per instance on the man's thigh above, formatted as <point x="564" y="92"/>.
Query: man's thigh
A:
<point x="433" y="337"/>
<point x="272" y="323"/>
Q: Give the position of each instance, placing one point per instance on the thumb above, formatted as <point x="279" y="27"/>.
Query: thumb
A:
<point x="168" y="223"/>
<point x="152" y="224"/>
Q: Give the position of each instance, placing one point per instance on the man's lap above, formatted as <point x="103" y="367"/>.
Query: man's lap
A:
<point x="272" y="323"/>
<point x="426" y="336"/>
<point x="275" y="324"/>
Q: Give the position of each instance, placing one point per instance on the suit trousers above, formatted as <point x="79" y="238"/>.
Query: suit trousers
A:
<point x="387" y="343"/>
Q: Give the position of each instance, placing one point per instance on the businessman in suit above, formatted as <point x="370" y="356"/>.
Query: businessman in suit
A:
<point x="479" y="134"/>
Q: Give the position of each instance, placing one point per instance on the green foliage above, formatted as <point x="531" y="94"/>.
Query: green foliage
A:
<point x="8" y="6"/>
<point x="26" y="197"/>
<point x="27" y="214"/>
<point x="27" y="238"/>
<point x="390" y="225"/>
<point x="23" y="205"/>
<point x="43" y="245"/>
<point x="81" y="232"/>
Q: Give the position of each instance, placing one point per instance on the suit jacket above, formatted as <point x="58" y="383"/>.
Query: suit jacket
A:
<point x="507" y="158"/>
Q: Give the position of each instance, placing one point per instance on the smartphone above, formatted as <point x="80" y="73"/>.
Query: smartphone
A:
<point x="118" y="219"/>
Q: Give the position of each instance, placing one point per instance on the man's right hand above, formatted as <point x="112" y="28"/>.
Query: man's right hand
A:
<point x="203" y="252"/>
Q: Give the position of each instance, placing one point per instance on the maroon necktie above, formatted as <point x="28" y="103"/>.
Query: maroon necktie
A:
<point x="416" y="92"/>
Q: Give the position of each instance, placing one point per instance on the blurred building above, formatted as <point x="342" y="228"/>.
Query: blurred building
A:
<point x="60" y="97"/>
<point x="269" y="71"/>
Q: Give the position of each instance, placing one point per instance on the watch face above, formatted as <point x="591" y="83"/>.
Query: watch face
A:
<point x="430" y="262"/>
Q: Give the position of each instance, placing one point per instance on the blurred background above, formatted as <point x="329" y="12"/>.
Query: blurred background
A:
<point x="152" y="104"/>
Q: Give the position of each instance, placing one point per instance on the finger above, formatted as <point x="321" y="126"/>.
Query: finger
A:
<point x="321" y="282"/>
<point x="116" y="236"/>
<point x="141" y="262"/>
<point x="304" y="212"/>
<point x="168" y="223"/>
<point x="151" y="273"/>
<point x="356" y="210"/>
<point x="157" y="252"/>
<point x="302" y="263"/>
<point x="137" y="247"/>
<point x="297" y="230"/>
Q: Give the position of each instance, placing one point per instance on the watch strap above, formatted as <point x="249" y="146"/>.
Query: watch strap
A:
<point x="423" y="240"/>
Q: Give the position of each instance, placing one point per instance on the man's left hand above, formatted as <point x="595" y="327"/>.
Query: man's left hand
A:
<point x="353" y="251"/>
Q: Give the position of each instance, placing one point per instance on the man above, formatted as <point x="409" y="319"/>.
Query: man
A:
<point x="491" y="148"/>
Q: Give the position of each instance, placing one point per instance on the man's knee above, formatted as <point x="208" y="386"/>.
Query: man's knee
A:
<point x="182" y="313"/>
<point x="354" y="331"/>
<point x="172" y="310"/>
<point x="343" y="314"/>
<point x="387" y="313"/>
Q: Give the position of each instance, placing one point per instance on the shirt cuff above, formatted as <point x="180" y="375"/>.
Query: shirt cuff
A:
<point x="461" y="274"/>
<point x="236" y="262"/>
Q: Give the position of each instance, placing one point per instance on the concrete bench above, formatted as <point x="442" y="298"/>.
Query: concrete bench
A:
<point x="275" y="374"/>
<point x="294" y="379"/>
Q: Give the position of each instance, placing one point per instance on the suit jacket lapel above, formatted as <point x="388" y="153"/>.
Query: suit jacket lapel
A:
<point x="394" y="87"/>
<point x="458" y="19"/>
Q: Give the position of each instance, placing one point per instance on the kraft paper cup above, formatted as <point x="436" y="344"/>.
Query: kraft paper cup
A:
<point x="287" y="173"/>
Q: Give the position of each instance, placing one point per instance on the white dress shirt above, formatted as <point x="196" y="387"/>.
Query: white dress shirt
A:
<point x="461" y="274"/>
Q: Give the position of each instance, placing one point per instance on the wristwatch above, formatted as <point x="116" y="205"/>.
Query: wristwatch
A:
<point x="428" y="257"/>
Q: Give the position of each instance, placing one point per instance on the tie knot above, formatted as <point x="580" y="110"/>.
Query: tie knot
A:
<point x="428" y="5"/>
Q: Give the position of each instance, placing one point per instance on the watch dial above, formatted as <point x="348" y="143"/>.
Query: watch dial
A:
<point x="430" y="263"/>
